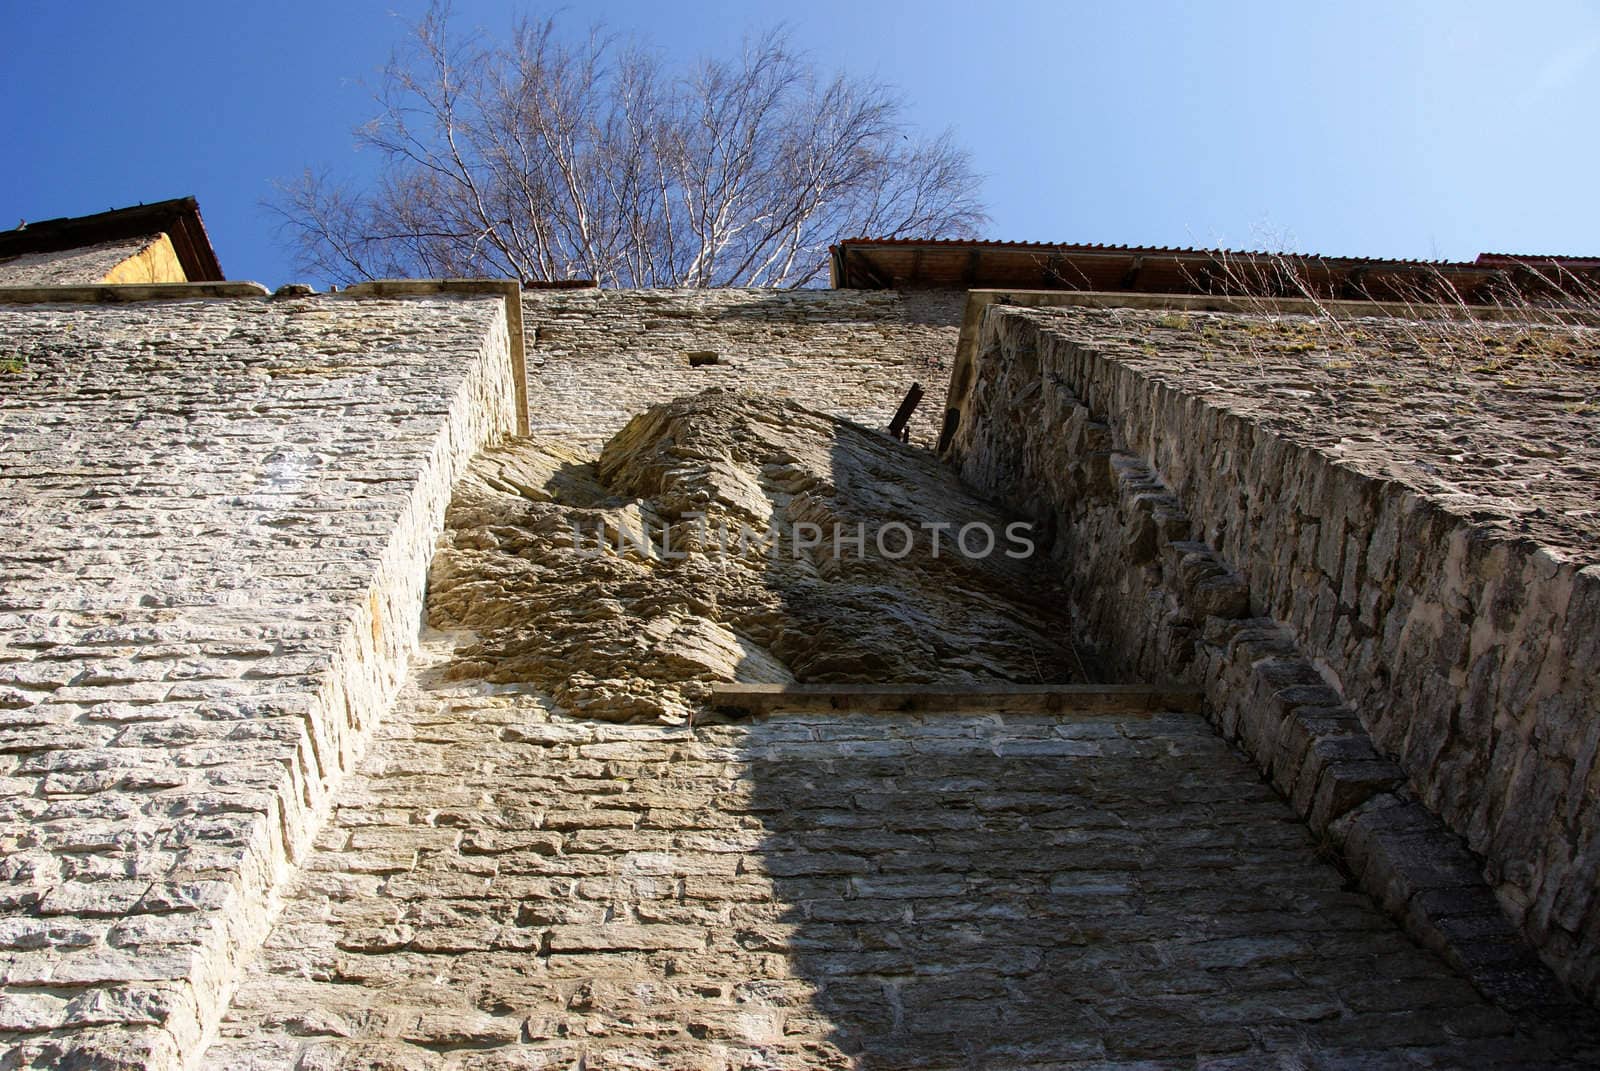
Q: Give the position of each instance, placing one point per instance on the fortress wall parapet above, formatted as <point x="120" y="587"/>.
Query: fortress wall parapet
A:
<point x="1374" y="536"/>
<point x="220" y="507"/>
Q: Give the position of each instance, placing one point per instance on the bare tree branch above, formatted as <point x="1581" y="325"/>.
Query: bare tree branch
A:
<point x="540" y="159"/>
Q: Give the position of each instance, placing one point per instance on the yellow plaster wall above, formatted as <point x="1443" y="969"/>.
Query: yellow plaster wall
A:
<point x="155" y="263"/>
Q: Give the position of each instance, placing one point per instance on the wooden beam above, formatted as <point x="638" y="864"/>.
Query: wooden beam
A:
<point x="947" y="430"/>
<point x="993" y="698"/>
<point x="902" y="416"/>
<point x="862" y="266"/>
<point x="971" y="274"/>
<point x="1130" y="278"/>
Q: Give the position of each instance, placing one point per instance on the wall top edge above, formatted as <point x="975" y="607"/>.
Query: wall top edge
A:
<point x="125" y="293"/>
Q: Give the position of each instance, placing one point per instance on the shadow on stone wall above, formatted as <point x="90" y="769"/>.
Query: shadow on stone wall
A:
<point x="1010" y="891"/>
<point x="511" y="882"/>
<point x="1007" y="892"/>
<point x="919" y="902"/>
<point x="1408" y="676"/>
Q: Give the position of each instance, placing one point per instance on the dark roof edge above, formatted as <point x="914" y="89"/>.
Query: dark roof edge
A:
<point x="1197" y="251"/>
<point x="178" y="218"/>
<point x="888" y="263"/>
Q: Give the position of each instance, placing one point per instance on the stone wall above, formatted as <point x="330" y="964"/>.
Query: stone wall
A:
<point x="222" y="513"/>
<point x="1325" y="520"/>
<point x="646" y="631"/>
<point x="504" y="887"/>
<point x="219" y="515"/>
<point x="597" y="357"/>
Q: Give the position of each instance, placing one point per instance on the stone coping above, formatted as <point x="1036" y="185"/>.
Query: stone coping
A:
<point x="114" y="293"/>
<point x="506" y="289"/>
<point x="962" y="372"/>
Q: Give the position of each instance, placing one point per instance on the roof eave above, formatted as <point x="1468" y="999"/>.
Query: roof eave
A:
<point x="179" y="219"/>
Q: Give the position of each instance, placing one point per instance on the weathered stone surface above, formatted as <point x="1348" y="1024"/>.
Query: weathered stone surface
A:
<point x="597" y="358"/>
<point x="506" y="885"/>
<point x="684" y="595"/>
<point x="824" y="890"/>
<point x="1361" y="482"/>
<point x="219" y="515"/>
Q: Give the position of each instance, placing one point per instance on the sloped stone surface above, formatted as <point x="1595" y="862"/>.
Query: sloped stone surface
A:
<point x="218" y="514"/>
<point x="641" y="632"/>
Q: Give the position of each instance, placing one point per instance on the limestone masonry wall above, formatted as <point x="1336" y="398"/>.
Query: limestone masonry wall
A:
<point x="220" y="513"/>
<point x="1408" y="524"/>
<point x="218" y="518"/>
<point x="597" y="357"/>
<point x="503" y="887"/>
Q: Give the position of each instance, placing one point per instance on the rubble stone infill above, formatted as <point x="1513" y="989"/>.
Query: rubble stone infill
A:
<point x="504" y="888"/>
<point x="564" y="570"/>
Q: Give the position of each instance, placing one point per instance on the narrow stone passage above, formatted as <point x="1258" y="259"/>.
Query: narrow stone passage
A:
<point x="506" y="888"/>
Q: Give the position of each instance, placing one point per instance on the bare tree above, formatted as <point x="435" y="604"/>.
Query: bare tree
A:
<point x="538" y="159"/>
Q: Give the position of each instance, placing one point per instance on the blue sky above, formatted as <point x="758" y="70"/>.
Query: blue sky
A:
<point x="1379" y="129"/>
